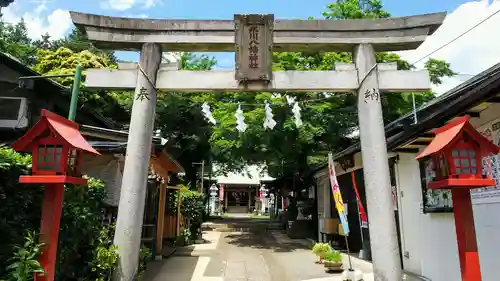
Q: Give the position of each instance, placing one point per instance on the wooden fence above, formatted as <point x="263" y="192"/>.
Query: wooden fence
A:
<point x="170" y="226"/>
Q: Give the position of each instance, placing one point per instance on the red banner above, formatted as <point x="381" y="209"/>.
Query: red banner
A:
<point x="362" y="213"/>
<point x="221" y="192"/>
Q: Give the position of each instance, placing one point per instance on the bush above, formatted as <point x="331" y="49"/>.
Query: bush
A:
<point x="85" y="252"/>
<point x="20" y="204"/>
<point x="105" y="257"/>
<point x="192" y="209"/>
<point x="321" y="249"/>
<point x="333" y="256"/>
<point x="20" y="211"/>
<point x="24" y="264"/>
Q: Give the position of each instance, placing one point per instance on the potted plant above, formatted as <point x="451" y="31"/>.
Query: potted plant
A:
<point x="333" y="261"/>
<point x="320" y="250"/>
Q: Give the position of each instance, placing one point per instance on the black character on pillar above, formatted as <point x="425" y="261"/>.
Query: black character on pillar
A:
<point x="372" y="94"/>
<point x="143" y="94"/>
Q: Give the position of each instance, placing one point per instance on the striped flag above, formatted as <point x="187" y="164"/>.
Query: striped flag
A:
<point x="339" y="204"/>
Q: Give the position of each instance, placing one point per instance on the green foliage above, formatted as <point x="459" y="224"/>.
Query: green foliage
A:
<point x="105" y="257"/>
<point x="145" y="255"/>
<point x="64" y="61"/>
<point x="438" y="69"/>
<point x="24" y="264"/>
<point x="20" y="208"/>
<point x="355" y="9"/>
<point x="328" y="120"/>
<point x="333" y="256"/>
<point x="184" y="238"/>
<point x="192" y="208"/>
<point x="321" y="249"/>
<point x="81" y="226"/>
<point x="20" y="204"/>
<point x="14" y="40"/>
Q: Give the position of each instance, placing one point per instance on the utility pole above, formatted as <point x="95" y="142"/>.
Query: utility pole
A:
<point x="202" y="163"/>
<point x="202" y="175"/>
<point x="75" y="91"/>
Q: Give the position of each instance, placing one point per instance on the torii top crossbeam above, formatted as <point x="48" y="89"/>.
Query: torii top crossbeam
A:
<point x="393" y="34"/>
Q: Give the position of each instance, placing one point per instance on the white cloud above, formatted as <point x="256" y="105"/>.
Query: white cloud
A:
<point x="148" y="4"/>
<point x="56" y="23"/>
<point x="137" y="16"/>
<point x="119" y="5"/>
<point x="124" y="5"/>
<point x="472" y="53"/>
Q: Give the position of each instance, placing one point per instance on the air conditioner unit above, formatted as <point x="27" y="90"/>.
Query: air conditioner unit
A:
<point x="13" y="112"/>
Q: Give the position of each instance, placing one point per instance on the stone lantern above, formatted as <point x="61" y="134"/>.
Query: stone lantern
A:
<point x="57" y="148"/>
<point x="213" y="198"/>
<point x="456" y="153"/>
<point x="263" y="198"/>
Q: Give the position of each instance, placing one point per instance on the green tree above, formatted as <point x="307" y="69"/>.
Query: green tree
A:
<point x="328" y="119"/>
<point x="179" y="118"/>
<point x="64" y="61"/>
<point x="14" y="40"/>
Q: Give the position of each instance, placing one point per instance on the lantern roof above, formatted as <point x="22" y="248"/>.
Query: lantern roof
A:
<point x="449" y="132"/>
<point x="62" y="127"/>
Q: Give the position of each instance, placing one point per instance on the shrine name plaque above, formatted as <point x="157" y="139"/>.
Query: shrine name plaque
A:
<point x="253" y="39"/>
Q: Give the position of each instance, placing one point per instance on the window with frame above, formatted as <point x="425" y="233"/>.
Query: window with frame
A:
<point x="49" y="158"/>
<point x="464" y="160"/>
<point x="72" y="161"/>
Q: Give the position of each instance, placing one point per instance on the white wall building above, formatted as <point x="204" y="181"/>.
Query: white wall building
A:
<point x="426" y="223"/>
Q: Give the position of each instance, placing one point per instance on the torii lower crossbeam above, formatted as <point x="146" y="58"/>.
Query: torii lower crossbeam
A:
<point x="389" y="80"/>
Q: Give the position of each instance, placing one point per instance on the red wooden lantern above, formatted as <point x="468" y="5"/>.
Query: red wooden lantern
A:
<point x="456" y="154"/>
<point x="57" y="147"/>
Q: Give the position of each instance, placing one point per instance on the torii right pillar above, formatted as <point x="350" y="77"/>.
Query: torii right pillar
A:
<point x="382" y="226"/>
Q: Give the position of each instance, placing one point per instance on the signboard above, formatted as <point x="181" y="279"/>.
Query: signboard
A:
<point x="491" y="167"/>
<point x="254" y="38"/>
<point x="339" y="203"/>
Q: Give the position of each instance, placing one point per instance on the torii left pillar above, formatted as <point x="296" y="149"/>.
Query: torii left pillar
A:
<point x="135" y="173"/>
<point x="382" y="224"/>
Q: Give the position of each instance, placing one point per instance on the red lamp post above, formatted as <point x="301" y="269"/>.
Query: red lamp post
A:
<point x="57" y="148"/>
<point x="456" y="154"/>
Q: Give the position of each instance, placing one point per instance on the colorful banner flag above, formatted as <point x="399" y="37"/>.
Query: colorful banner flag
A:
<point x="362" y="213"/>
<point x="339" y="203"/>
<point x="221" y="192"/>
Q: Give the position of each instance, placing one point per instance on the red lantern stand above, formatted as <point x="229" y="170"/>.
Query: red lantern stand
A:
<point x="57" y="148"/>
<point x="456" y="153"/>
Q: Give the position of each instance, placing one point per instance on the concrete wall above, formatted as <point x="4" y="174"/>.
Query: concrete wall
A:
<point x="323" y="199"/>
<point x="108" y="168"/>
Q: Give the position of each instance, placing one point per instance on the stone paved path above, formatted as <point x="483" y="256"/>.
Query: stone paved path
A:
<point x="254" y="254"/>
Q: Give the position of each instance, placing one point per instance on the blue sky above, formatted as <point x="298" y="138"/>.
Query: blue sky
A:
<point x="224" y="9"/>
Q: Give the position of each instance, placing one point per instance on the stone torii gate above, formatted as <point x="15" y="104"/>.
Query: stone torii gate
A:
<point x="253" y="38"/>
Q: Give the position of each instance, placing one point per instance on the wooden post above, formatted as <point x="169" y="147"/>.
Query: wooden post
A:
<point x="179" y="200"/>
<point x="49" y="230"/>
<point x="466" y="235"/>
<point x="161" y="219"/>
